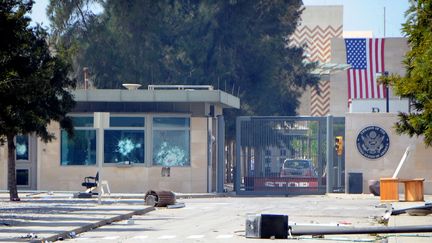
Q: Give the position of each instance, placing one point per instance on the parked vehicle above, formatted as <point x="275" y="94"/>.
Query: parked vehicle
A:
<point x="297" y="168"/>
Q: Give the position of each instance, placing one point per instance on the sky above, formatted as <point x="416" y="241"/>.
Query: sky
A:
<point x="368" y="15"/>
<point x="359" y="15"/>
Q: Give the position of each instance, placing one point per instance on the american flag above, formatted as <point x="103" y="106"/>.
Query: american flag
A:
<point x="366" y="57"/>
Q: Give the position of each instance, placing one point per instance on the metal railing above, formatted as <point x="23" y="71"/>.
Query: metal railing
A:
<point x="179" y="87"/>
<point x="267" y="146"/>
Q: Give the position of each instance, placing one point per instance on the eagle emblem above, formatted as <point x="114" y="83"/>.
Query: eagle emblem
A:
<point x="373" y="142"/>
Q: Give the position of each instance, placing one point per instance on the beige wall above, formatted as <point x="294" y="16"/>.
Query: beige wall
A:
<point x="127" y="179"/>
<point x="3" y="167"/>
<point x="318" y="24"/>
<point x="418" y="165"/>
<point x="322" y="15"/>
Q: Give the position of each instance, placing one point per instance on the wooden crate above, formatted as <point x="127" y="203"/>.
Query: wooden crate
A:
<point x="389" y="189"/>
<point x="413" y="189"/>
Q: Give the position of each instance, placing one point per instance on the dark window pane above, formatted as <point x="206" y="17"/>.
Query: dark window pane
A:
<point x="22" y="177"/>
<point x="171" y="122"/>
<point x="281" y="160"/>
<point x="80" y="149"/>
<point x="126" y="121"/>
<point x="22" y="147"/>
<point x="171" y="148"/>
<point x="124" y="145"/>
<point x="82" y="121"/>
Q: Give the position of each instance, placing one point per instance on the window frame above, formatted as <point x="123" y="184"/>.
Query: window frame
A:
<point x="28" y="149"/>
<point x="185" y="129"/>
<point x="148" y="130"/>
<point x="126" y="128"/>
<point x="80" y="128"/>
<point x="28" y="177"/>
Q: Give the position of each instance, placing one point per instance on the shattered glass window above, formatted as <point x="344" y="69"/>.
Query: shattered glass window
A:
<point x="124" y="146"/>
<point x="22" y="147"/>
<point x="171" y="141"/>
<point x="79" y="149"/>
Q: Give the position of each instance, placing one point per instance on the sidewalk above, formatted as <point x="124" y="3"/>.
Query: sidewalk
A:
<point x="54" y="216"/>
<point x="49" y="216"/>
<point x="407" y="220"/>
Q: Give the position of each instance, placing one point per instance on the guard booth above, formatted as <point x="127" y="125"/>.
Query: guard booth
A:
<point x="288" y="155"/>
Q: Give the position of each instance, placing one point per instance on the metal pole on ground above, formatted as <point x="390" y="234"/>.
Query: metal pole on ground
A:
<point x="364" y="230"/>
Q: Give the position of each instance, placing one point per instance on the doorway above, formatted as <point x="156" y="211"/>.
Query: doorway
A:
<point x="26" y="162"/>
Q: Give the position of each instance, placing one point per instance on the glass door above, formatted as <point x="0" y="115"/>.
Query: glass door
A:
<point x="25" y="155"/>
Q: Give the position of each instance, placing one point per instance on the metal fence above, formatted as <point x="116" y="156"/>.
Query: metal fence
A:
<point x="282" y="155"/>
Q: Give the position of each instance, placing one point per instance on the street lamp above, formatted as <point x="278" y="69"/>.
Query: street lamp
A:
<point x="385" y="74"/>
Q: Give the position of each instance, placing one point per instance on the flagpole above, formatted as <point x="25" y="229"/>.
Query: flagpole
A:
<point x="385" y="72"/>
<point x="384" y="21"/>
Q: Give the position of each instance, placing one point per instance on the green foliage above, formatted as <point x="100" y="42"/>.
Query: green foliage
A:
<point x="237" y="45"/>
<point x="417" y="82"/>
<point x="33" y="83"/>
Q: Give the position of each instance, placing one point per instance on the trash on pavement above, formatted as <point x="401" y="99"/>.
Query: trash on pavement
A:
<point x="176" y="205"/>
<point x="72" y="234"/>
<point x="159" y="198"/>
<point x="30" y="236"/>
<point x="426" y="207"/>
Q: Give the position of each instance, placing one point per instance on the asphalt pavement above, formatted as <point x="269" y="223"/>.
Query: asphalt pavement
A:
<point x="51" y="216"/>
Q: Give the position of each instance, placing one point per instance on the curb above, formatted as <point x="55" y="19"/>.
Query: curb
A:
<point x="66" y="234"/>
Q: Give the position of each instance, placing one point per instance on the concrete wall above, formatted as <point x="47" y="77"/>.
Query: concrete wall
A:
<point x="324" y="15"/>
<point x="371" y="105"/>
<point x="418" y="165"/>
<point x="3" y="167"/>
<point x="318" y="24"/>
<point x="138" y="178"/>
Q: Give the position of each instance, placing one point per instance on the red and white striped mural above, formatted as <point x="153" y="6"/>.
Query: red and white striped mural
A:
<point x="316" y="41"/>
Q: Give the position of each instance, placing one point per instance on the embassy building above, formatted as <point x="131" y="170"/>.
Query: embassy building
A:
<point x="160" y="138"/>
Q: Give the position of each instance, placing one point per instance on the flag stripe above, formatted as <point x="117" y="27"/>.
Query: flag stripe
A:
<point x="366" y="57"/>
<point x="367" y="84"/>
<point x="349" y="84"/>
<point x="361" y="83"/>
<point x="371" y="69"/>
<point x="377" y="66"/>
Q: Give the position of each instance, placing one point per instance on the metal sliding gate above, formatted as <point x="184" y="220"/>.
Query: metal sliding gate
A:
<point x="287" y="155"/>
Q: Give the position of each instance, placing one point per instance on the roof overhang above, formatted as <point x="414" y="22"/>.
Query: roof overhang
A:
<point x="218" y="97"/>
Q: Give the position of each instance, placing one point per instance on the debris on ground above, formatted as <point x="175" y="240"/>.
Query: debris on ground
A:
<point x="418" y="212"/>
<point x="159" y="198"/>
<point x="176" y="205"/>
<point x="424" y="210"/>
<point x="72" y="234"/>
<point x="29" y="236"/>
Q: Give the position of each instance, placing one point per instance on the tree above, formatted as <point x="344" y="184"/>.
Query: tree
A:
<point x="236" y="45"/>
<point x="71" y="21"/>
<point x="417" y="82"/>
<point x="33" y="83"/>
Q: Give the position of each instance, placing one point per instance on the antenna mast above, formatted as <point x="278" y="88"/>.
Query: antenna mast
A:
<point x="384" y="21"/>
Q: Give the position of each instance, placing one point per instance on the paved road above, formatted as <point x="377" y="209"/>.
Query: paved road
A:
<point x="223" y="219"/>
